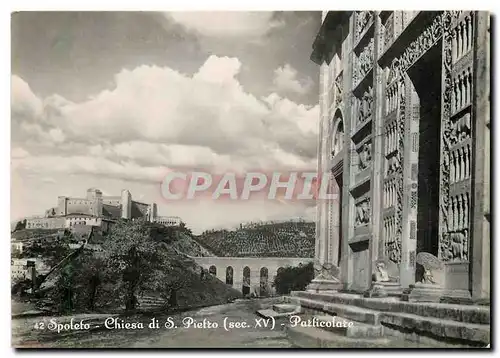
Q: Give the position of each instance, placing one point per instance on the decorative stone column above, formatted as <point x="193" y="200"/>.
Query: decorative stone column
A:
<point x="410" y="185"/>
<point x="480" y="247"/>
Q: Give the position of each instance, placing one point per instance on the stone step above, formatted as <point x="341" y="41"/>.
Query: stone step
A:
<point x="460" y="313"/>
<point x="284" y="307"/>
<point x="268" y="313"/>
<point x="348" y="328"/>
<point x="352" y="313"/>
<point x="312" y="337"/>
<point x="401" y="323"/>
<point x="437" y="327"/>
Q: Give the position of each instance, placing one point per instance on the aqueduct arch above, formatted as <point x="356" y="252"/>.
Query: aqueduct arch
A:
<point x="230" y="269"/>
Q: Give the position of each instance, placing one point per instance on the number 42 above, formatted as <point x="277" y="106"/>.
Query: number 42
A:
<point x="40" y="325"/>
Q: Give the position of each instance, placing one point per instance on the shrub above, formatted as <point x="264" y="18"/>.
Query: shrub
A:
<point x="293" y="278"/>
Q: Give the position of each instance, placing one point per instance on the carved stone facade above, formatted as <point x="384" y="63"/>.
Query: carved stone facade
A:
<point x="412" y="100"/>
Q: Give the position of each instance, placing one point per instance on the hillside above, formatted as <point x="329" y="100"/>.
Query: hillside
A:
<point x="284" y="239"/>
<point x="101" y="281"/>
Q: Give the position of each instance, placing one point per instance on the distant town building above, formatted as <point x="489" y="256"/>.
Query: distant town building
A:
<point x="17" y="247"/>
<point x="20" y="268"/>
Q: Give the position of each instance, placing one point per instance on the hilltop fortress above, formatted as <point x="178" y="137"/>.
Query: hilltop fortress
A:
<point x="97" y="210"/>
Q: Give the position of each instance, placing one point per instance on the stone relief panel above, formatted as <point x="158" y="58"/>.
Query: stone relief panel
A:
<point x="365" y="106"/>
<point x="391" y="96"/>
<point x="391" y="137"/>
<point x="389" y="31"/>
<point x="433" y="268"/>
<point x="392" y="245"/>
<point x="456" y="243"/>
<point x="364" y="155"/>
<point x="363" y="62"/>
<point x="390" y="190"/>
<point x="363" y="212"/>
<point x="462" y="90"/>
<point x="338" y="89"/>
<point x="456" y="159"/>
<point x="462" y="36"/>
<point x="338" y="137"/>
<point x="363" y="19"/>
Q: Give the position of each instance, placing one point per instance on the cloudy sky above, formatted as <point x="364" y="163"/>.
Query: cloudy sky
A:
<point x="113" y="100"/>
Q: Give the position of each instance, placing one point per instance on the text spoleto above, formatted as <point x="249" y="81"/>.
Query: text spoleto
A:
<point x="274" y="186"/>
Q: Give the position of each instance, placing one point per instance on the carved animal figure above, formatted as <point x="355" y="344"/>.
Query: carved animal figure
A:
<point x="430" y="264"/>
<point x="381" y="274"/>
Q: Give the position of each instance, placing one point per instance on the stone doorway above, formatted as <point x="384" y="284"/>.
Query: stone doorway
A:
<point x="426" y="78"/>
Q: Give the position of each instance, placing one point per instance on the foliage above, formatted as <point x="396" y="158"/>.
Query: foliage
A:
<point x="293" y="278"/>
<point x="139" y="258"/>
<point x="21" y="225"/>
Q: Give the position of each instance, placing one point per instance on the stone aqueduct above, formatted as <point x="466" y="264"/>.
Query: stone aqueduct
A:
<point x="254" y="269"/>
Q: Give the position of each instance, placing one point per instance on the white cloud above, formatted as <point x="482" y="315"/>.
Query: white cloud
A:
<point x="227" y="24"/>
<point x="286" y="80"/>
<point x="157" y="118"/>
<point x="23" y="101"/>
<point x="18" y="152"/>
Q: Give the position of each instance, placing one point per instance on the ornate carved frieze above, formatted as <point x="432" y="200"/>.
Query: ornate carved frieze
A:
<point x="363" y="212"/>
<point x="396" y="254"/>
<point x="418" y="47"/>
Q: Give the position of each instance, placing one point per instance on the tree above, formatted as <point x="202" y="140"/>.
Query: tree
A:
<point x="20" y="225"/>
<point x="138" y="260"/>
<point x="293" y="278"/>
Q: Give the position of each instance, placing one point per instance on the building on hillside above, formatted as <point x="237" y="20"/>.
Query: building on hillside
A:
<point x="95" y="210"/>
<point x="405" y="137"/>
<point x="21" y="269"/>
<point x="17" y="247"/>
<point x="168" y="220"/>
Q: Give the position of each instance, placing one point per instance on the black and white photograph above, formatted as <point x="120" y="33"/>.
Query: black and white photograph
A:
<point x="250" y="179"/>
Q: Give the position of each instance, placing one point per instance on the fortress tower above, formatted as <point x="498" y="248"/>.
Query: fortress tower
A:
<point x="152" y="212"/>
<point x="126" y="204"/>
<point x="95" y="196"/>
<point x="62" y="208"/>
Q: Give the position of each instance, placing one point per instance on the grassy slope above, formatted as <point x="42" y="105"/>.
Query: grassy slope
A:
<point x="197" y="289"/>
